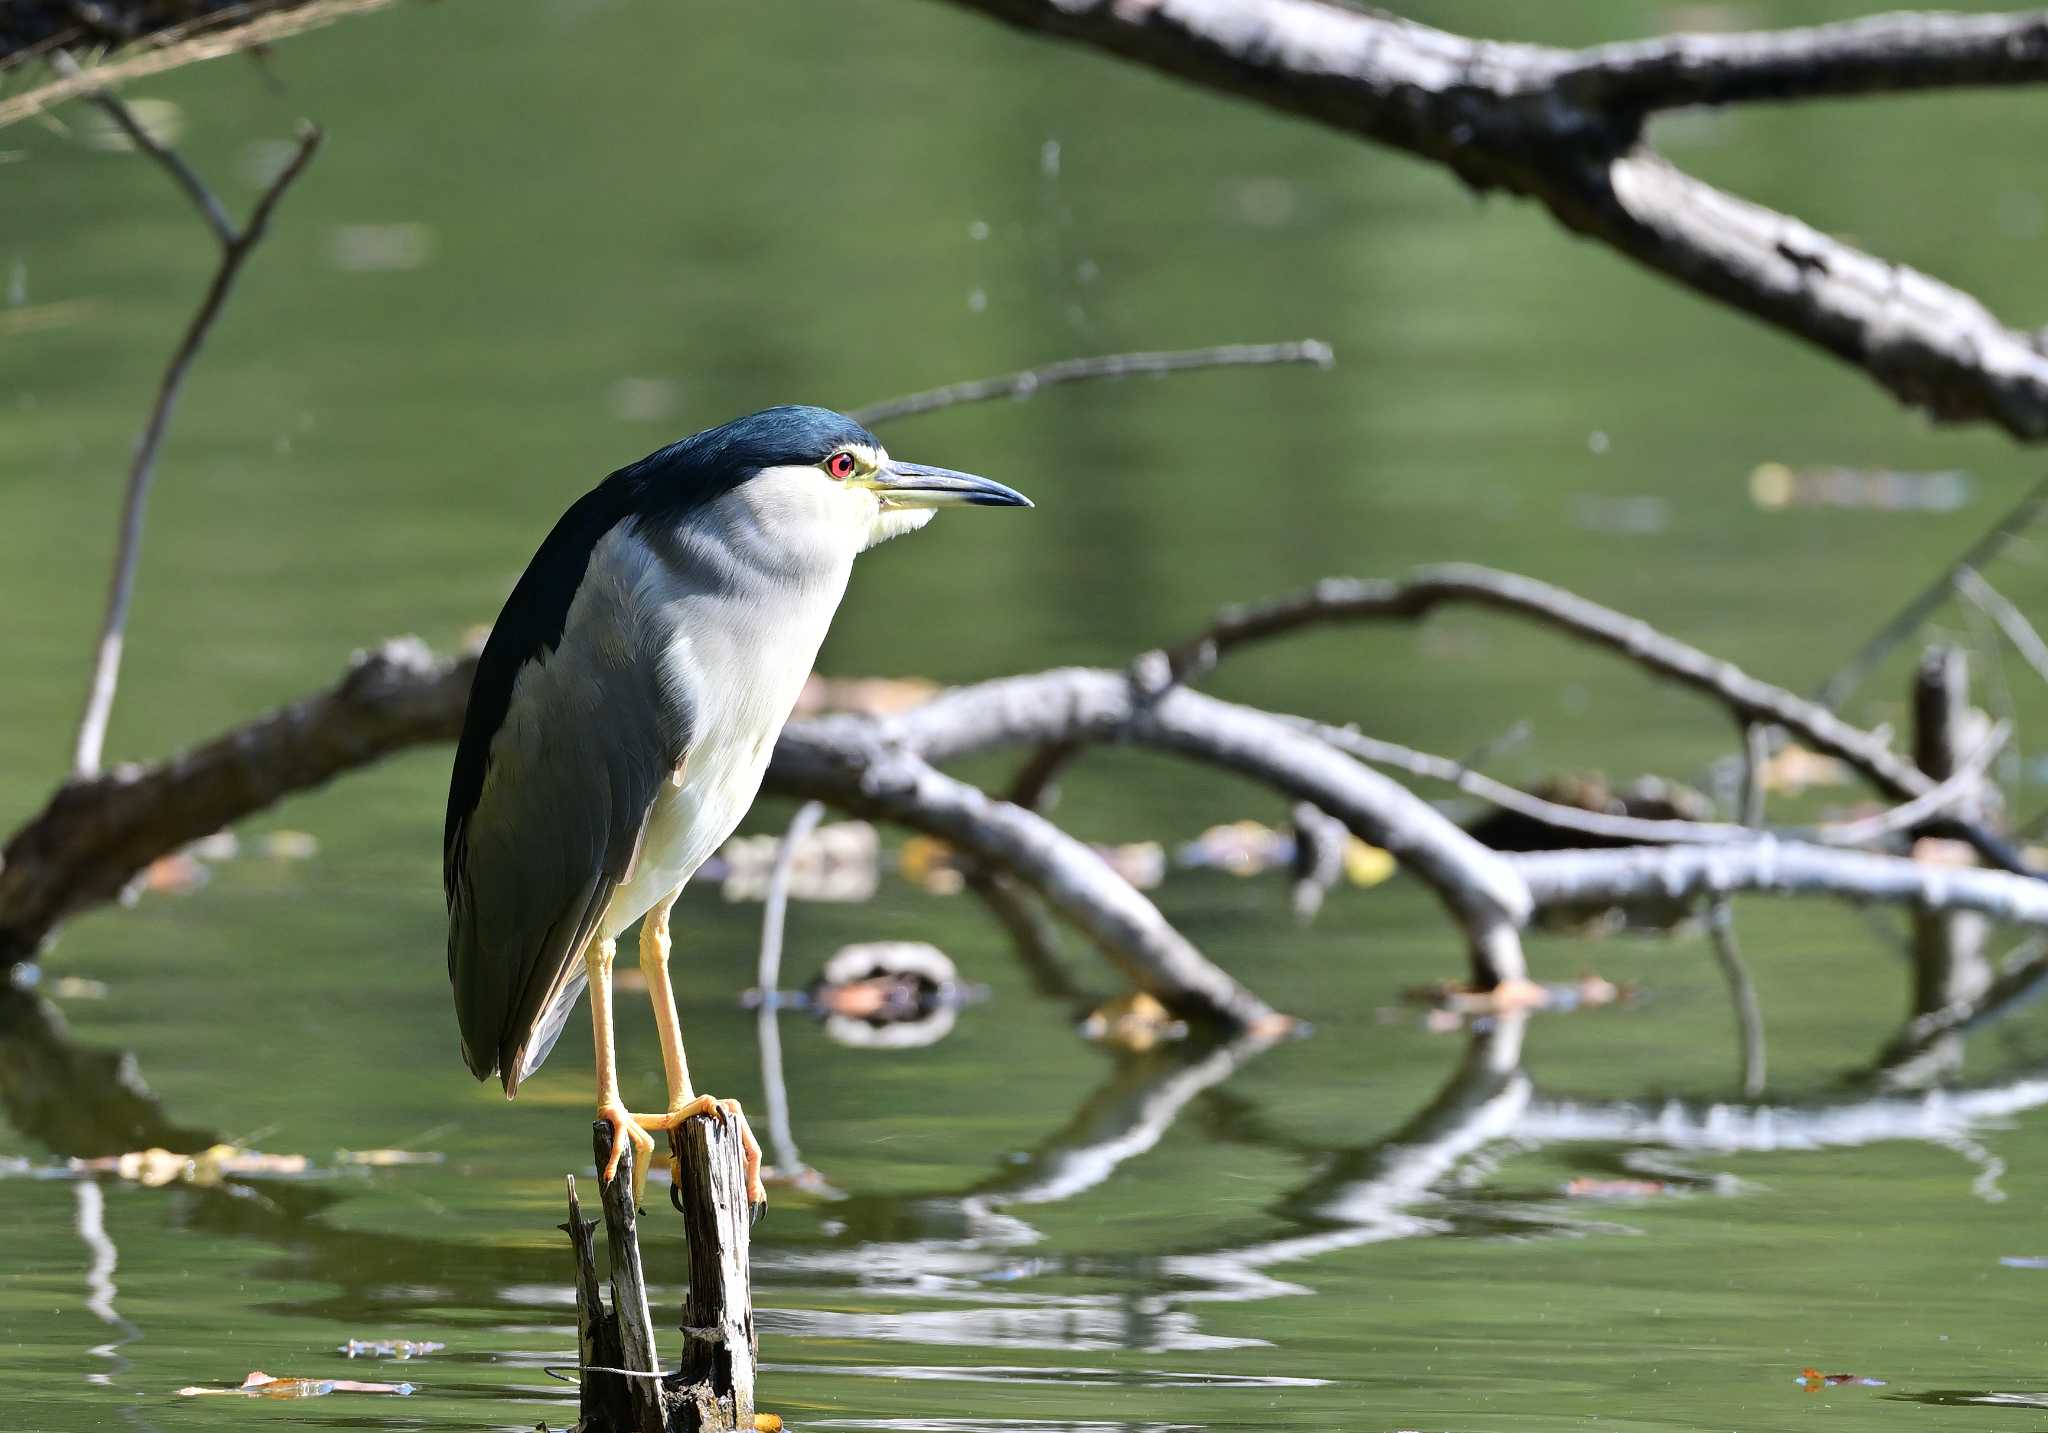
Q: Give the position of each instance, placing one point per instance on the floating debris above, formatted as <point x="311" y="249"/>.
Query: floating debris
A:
<point x="290" y="846"/>
<point x="1791" y="769"/>
<point x="262" y="1385"/>
<point x="1813" y="1380"/>
<point x="1459" y="1002"/>
<point x="839" y="862"/>
<point x="1367" y="865"/>
<point x="400" y="1348"/>
<point x="158" y="1167"/>
<point x="1775" y="487"/>
<point x="1586" y="1187"/>
<point x="1135" y="1022"/>
<point x="1240" y="848"/>
<point x="889" y="994"/>
<point x="388" y="1158"/>
<point x="2024" y="1261"/>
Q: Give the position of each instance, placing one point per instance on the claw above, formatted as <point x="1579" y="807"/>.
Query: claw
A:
<point x="625" y="1130"/>
<point x="757" y="1195"/>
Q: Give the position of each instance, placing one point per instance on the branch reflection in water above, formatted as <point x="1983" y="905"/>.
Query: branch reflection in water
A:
<point x="972" y="1268"/>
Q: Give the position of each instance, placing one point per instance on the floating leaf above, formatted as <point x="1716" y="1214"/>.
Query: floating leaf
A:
<point x="262" y="1385"/>
<point x="384" y="1158"/>
<point x="157" y="1167"/>
<point x="1813" y="1380"/>
<point x="1133" y="1022"/>
<point x="1366" y="864"/>
<point x="1589" y="1188"/>
<point x="291" y="846"/>
<point x="1792" y="769"/>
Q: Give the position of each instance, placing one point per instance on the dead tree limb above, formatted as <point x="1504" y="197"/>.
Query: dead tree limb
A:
<point x="1071" y="705"/>
<point x="97" y="834"/>
<point x="143" y="37"/>
<point x="1564" y="128"/>
<point x="1423" y="591"/>
<point x="1074" y="879"/>
<point x="1660" y="831"/>
<point x="235" y="247"/>
<point x="1579" y="879"/>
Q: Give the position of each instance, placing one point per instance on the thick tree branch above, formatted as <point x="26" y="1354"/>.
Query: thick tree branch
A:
<point x="896" y="786"/>
<point x="1563" y="128"/>
<point x="98" y="833"/>
<point x="1579" y="879"/>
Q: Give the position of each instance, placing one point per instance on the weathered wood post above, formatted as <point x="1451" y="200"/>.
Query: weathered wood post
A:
<point x="719" y="1348"/>
<point x="623" y="1387"/>
<point x="1949" y="965"/>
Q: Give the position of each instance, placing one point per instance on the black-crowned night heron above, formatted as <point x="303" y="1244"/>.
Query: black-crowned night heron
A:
<point x="623" y="714"/>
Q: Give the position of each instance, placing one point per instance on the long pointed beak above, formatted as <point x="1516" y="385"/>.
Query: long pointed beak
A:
<point x="913" y="485"/>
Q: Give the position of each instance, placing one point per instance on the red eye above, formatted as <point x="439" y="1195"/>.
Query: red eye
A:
<point x="840" y="466"/>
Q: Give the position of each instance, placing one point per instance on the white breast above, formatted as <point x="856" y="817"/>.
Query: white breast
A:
<point x="733" y="611"/>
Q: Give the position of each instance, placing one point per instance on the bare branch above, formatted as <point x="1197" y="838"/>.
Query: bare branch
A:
<point x="1749" y="1011"/>
<point x="1884" y="54"/>
<point x="2011" y="621"/>
<point x="1026" y="382"/>
<point x="173" y="163"/>
<point x="1788" y="868"/>
<point x="235" y="249"/>
<point x="1075" y="880"/>
<point x="97" y="833"/>
<point x="1564" y="129"/>
<point x="1424" y="590"/>
<point x="1652" y="831"/>
<point x="2014" y="521"/>
<point x="2021" y="982"/>
<point x="1078" y="705"/>
<point x="178" y="38"/>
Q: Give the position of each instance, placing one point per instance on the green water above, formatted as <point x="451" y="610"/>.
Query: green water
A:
<point x="542" y="240"/>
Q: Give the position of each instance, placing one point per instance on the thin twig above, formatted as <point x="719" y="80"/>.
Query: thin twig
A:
<point x="1756" y="757"/>
<point x="236" y="246"/>
<point x="1749" y="1013"/>
<point x="2011" y="621"/>
<point x="1911" y="617"/>
<point x="1655" y="831"/>
<point x="1026" y="382"/>
<point x="211" y="36"/>
<point x="183" y="174"/>
<point x="1414" y="597"/>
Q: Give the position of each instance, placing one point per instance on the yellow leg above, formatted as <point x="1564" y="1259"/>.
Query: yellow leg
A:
<point x="610" y="1108"/>
<point x="683" y="1103"/>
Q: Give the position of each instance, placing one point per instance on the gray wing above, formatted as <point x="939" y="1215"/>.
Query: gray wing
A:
<point x="587" y="738"/>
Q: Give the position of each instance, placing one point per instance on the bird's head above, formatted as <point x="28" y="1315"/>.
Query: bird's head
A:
<point x="811" y="471"/>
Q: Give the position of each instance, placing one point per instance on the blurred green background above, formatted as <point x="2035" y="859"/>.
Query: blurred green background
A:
<point x="543" y="239"/>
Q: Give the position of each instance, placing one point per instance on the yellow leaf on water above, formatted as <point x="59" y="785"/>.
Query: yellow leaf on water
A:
<point x="1367" y="865"/>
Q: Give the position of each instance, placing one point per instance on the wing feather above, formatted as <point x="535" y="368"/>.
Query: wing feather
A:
<point x="587" y="737"/>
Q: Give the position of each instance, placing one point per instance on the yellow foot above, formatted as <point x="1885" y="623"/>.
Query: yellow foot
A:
<point x="628" y="1128"/>
<point x="717" y="1109"/>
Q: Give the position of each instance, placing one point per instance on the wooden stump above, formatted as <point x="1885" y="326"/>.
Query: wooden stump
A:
<point x="623" y="1387"/>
